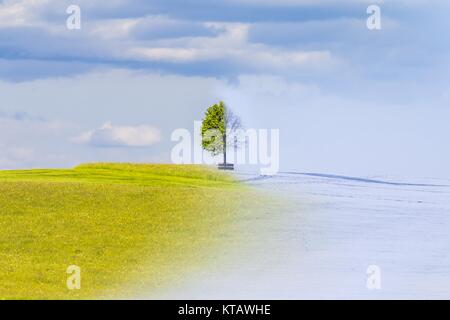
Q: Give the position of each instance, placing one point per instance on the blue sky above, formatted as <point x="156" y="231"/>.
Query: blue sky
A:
<point x="346" y="99"/>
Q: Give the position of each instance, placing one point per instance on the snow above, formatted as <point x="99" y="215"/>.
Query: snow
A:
<point x="334" y="228"/>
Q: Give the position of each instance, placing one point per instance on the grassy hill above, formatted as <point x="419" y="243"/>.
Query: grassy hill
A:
<point x="127" y="226"/>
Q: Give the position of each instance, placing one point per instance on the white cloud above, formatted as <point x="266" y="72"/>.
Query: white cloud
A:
<point x="300" y="2"/>
<point x="19" y="13"/>
<point x="110" y="135"/>
<point x="113" y="28"/>
<point x="9" y="157"/>
<point x="231" y="44"/>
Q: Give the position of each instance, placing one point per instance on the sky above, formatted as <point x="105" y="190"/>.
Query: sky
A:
<point x="346" y="99"/>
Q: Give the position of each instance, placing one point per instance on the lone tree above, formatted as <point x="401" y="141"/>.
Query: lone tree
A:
<point x="219" y="124"/>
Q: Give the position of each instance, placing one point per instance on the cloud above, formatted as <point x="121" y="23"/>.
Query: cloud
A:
<point x="223" y="38"/>
<point x="9" y="157"/>
<point x="36" y="42"/>
<point x="25" y="139"/>
<point x="110" y="135"/>
<point x="19" y="116"/>
<point x="231" y="44"/>
<point x="19" y="13"/>
<point x="74" y="105"/>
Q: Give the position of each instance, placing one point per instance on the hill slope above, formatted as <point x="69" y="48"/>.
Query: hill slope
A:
<point x="126" y="226"/>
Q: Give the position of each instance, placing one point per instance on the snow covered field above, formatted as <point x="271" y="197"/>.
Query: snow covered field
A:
<point x="337" y="226"/>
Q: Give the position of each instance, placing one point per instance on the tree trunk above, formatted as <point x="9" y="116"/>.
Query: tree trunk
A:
<point x="225" y="148"/>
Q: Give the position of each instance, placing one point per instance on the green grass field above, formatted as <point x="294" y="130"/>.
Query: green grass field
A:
<point x="129" y="227"/>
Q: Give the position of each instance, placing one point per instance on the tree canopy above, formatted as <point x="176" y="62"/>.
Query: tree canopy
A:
<point x="218" y="124"/>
